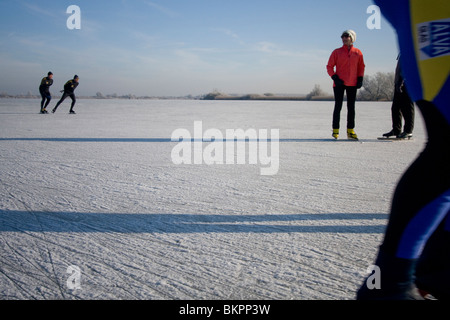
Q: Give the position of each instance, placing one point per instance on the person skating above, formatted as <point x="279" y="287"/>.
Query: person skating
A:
<point x="346" y="68"/>
<point x="415" y="252"/>
<point x="69" y="89"/>
<point x="44" y="90"/>
<point x="402" y="106"/>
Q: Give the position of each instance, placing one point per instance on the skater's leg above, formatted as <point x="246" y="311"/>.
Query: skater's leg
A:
<point x="64" y="96"/>
<point x="46" y="97"/>
<point x="420" y="228"/>
<point x="43" y="100"/>
<point x="338" y="101"/>
<point x="396" y="113"/>
<point x="351" y="101"/>
<point x="74" y="100"/>
<point x="407" y="109"/>
<point x="433" y="268"/>
<point x="49" y="98"/>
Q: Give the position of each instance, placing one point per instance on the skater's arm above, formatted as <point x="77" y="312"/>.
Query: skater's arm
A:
<point x="331" y="64"/>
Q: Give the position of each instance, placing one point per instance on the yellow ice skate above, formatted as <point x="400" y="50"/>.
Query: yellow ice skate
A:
<point x="335" y="133"/>
<point x="351" y="134"/>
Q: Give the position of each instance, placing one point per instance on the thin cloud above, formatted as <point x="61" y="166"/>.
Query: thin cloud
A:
<point x="276" y="50"/>
<point x="230" y="34"/>
<point x="164" y="10"/>
<point x="38" y="10"/>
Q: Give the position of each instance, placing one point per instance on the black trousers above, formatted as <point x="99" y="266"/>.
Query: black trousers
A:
<point x="338" y="101"/>
<point x="418" y="232"/>
<point x="64" y="96"/>
<point x="45" y="96"/>
<point x="402" y="106"/>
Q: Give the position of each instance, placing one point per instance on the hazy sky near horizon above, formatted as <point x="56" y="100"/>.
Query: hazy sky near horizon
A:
<point x="181" y="47"/>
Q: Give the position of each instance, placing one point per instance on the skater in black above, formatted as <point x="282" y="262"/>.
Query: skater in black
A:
<point x="402" y="105"/>
<point x="69" y="89"/>
<point x="44" y="90"/>
<point x="414" y="256"/>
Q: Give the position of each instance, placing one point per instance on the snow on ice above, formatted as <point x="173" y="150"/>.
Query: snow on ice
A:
<point x="93" y="207"/>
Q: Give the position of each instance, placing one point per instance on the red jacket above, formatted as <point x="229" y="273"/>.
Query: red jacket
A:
<point x="349" y="65"/>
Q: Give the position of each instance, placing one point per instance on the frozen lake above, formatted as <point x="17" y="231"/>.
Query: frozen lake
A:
<point x="93" y="207"/>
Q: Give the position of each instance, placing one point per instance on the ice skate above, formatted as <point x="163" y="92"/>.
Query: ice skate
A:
<point x="405" y="135"/>
<point x="335" y="133"/>
<point x="351" y="134"/>
<point x="391" y="133"/>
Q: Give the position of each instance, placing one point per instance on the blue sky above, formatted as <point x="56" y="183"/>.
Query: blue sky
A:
<point x="181" y="47"/>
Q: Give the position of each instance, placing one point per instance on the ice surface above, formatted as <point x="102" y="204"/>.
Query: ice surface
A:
<point x="98" y="190"/>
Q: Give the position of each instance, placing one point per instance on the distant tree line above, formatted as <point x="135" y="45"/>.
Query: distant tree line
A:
<point x="378" y="87"/>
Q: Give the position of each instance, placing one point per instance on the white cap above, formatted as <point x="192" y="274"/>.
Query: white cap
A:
<point x="351" y="33"/>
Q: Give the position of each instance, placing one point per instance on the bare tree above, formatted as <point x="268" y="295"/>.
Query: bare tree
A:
<point x="378" y="87"/>
<point x="212" y="95"/>
<point x="100" y="95"/>
<point x="315" y="92"/>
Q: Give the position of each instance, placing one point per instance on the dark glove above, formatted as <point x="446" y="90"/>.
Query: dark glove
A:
<point x="337" y="81"/>
<point x="359" y="83"/>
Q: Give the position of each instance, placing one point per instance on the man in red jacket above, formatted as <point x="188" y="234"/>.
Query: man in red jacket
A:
<point x="346" y="68"/>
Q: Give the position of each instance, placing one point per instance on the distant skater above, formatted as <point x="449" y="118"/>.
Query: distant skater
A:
<point x="69" y="89"/>
<point x="402" y="106"/>
<point x="44" y="90"/>
<point x="348" y="77"/>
